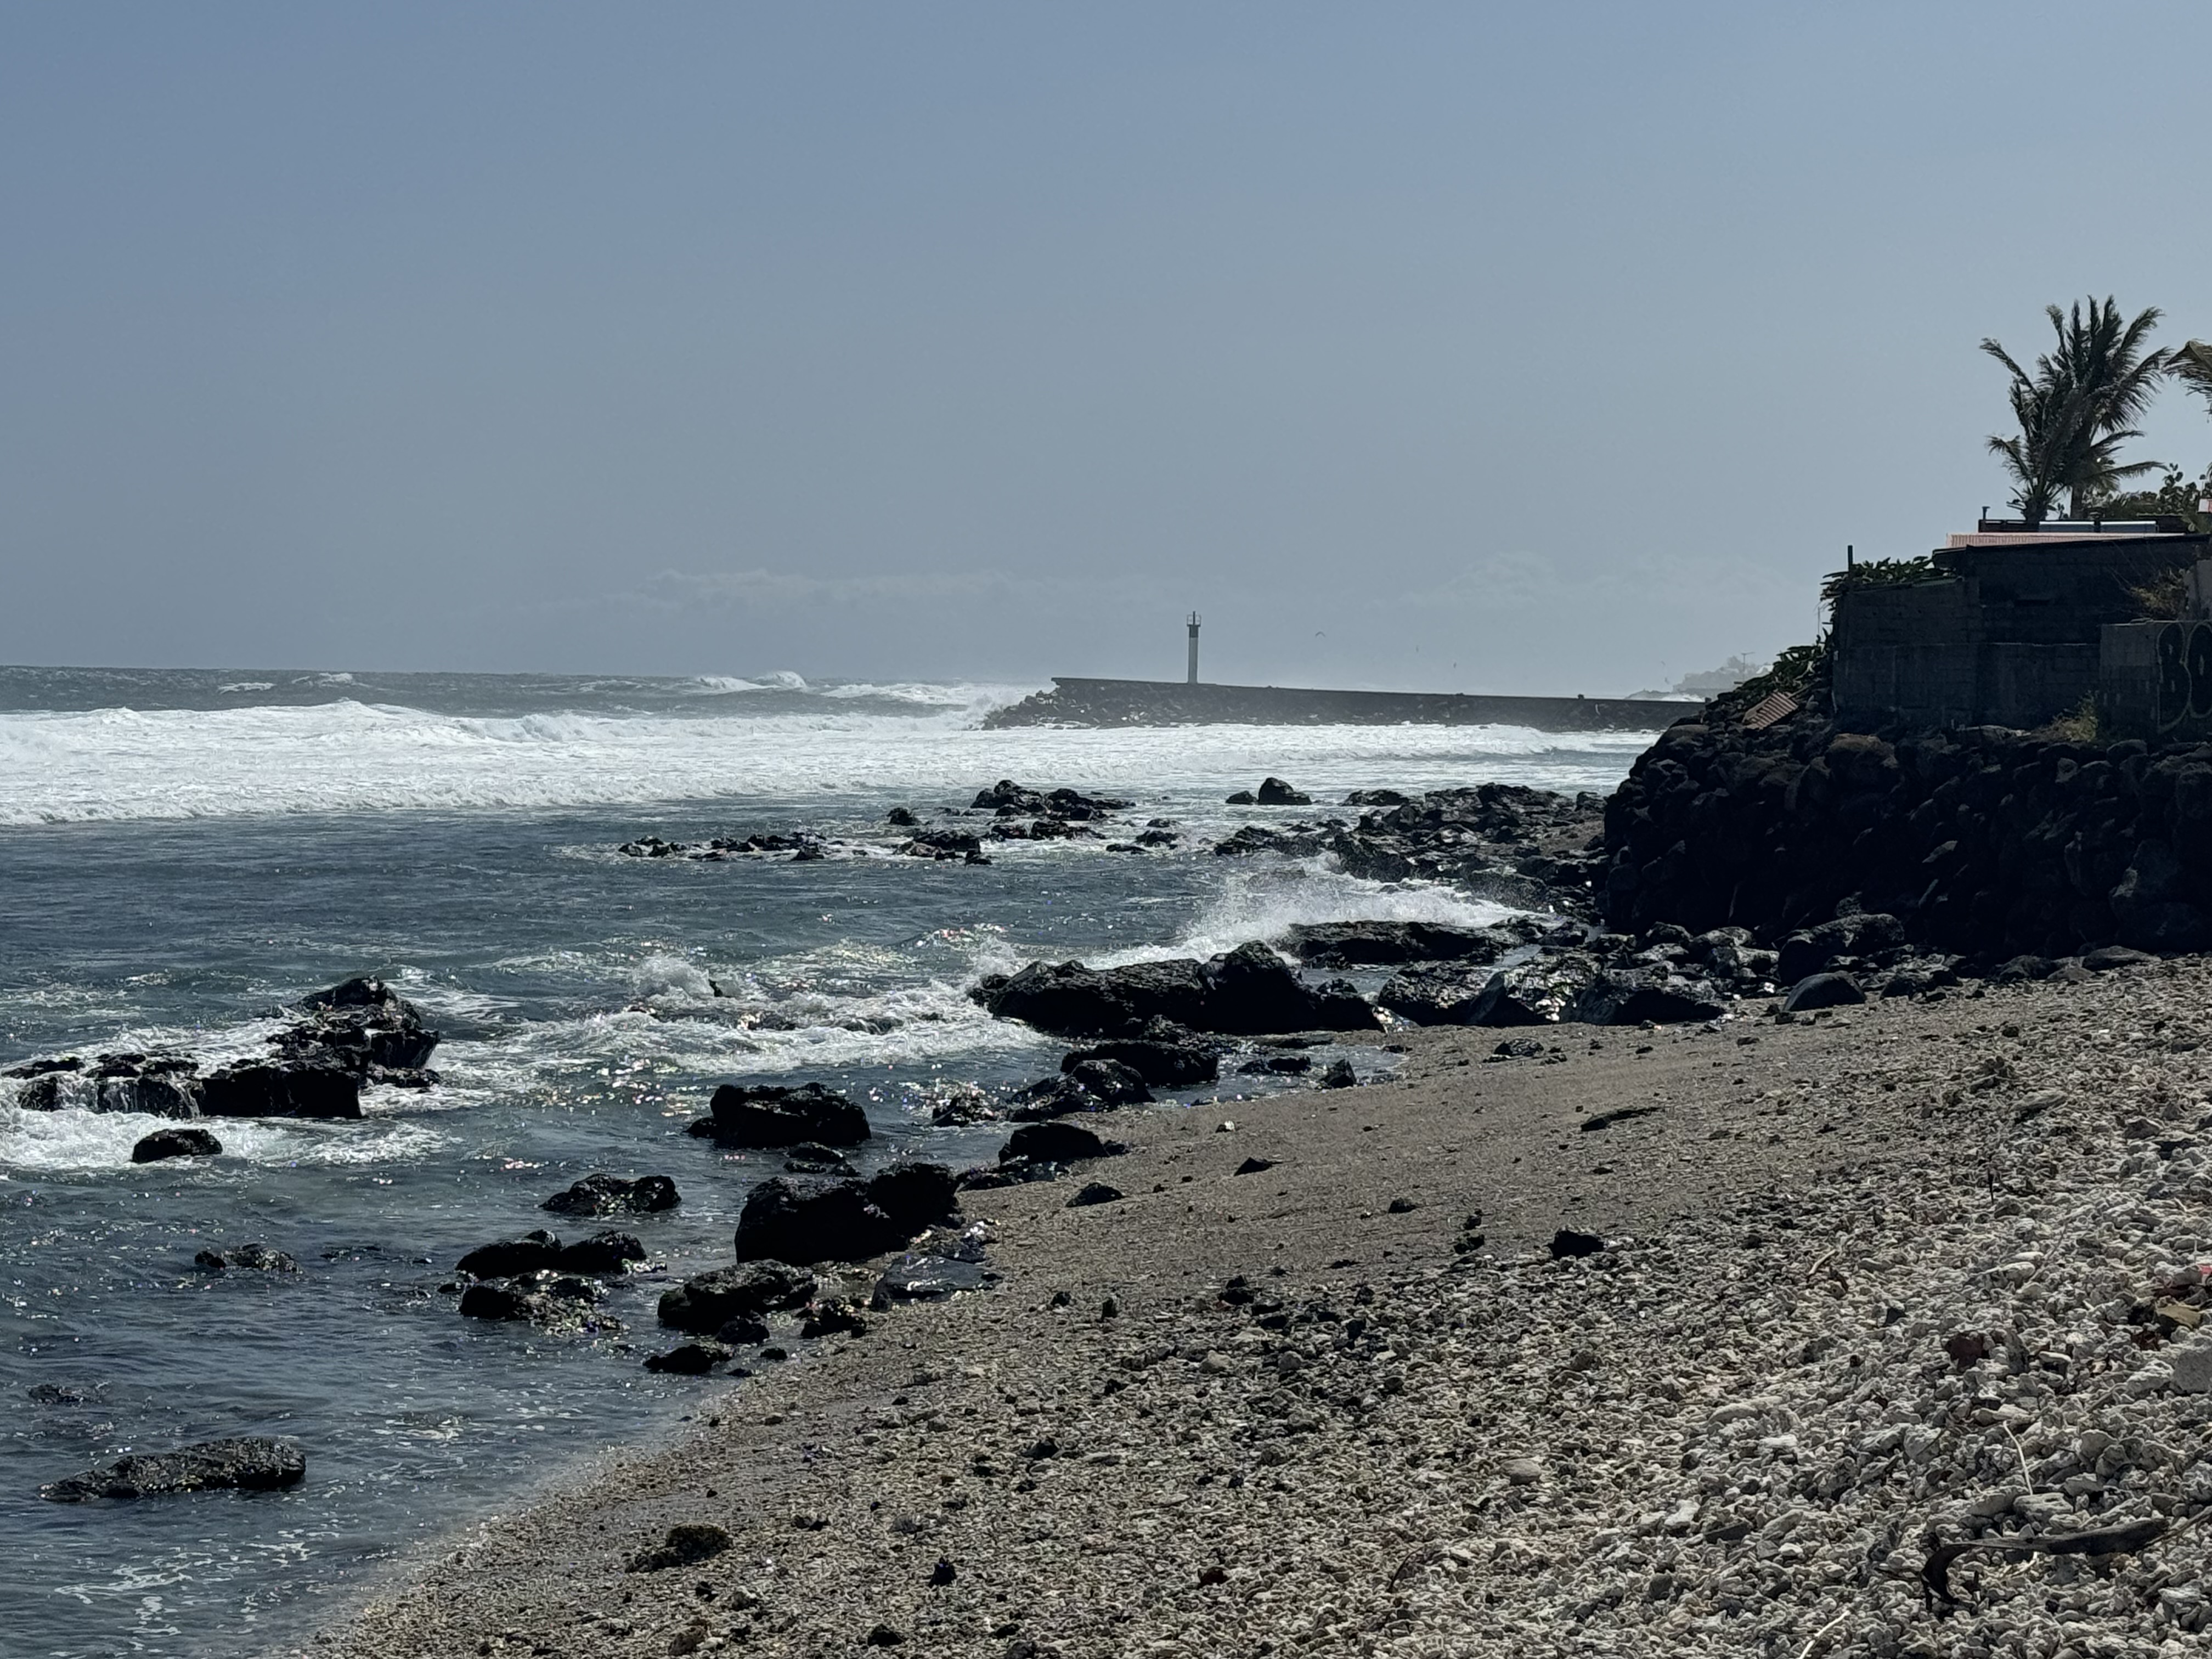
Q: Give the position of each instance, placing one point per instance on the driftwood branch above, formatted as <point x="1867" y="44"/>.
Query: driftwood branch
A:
<point x="1935" y="1574"/>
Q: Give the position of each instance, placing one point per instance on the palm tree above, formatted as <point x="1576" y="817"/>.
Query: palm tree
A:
<point x="2191" y="365"/>
<point x="2079" y="407"/>
<point x="2036" y="459"/>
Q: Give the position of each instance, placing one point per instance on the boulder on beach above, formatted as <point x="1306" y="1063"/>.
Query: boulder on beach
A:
<point x="1163" y="1062"/>
<point x="1112" y="1081"/>
<point x="175" y="1143"/>
<point x="1538" y="993"/>
<point x="606" y="1195"/>
<point x="690" y="1358"/>
<point x="1440" y="994"/>
<point x="253" y="1463"/>
<point x="1273" y="792"/>
<point x="705" y="1303"/>
<point x="759" y="1115"/>
<point x="1056" y="1143"/>
<point x="803" y="1219"/>
<point x="1630" y="996"/>
<point x="1823" y="991"/>
<point x="915" y="1194"/>
<point x="921" y="1278"/>
<point x="1246" y="991"/>
<point x="1060" y="1096"/>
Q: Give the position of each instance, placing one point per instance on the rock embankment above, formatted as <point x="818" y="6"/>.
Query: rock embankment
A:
<point x="1523" y="846"/>
<point x="1984" y="842"/>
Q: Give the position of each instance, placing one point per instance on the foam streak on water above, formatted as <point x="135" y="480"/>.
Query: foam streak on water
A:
<point x="184" y="851"/>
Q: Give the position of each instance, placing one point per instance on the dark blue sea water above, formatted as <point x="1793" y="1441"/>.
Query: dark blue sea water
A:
<point x="181" y="852"/>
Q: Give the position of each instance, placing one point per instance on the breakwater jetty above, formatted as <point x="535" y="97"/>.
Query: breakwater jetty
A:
<point x="1166" y="703"/>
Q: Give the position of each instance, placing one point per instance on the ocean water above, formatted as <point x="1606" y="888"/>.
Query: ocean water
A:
<point x="183" y="852"/>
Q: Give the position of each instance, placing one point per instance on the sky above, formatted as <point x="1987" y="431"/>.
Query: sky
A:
<point x="1459" y="347"/>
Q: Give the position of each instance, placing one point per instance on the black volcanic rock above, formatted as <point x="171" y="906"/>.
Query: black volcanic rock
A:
<point x="534" y="1252"/>
<point x="707" y="1301"/>
<point x="1383" y="944"/>
<point x="1442" y="994"/>
<point x="281" y="1089"/>
<point x="1631" y="996"/>
<point x="1162" y="1062"/>
<point x="1055" y="1143"/>
<point x="769" y="1115"/>
<point x="175" y="1143"/>
<point x="1823" y="991"/>
<point x="250" y="1463"/>
<point x="1247" y="992"/>
<point x="606" y="1195"/>
<point x="357" y="1024"/>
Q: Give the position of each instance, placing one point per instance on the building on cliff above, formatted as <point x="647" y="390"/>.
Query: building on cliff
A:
<point x="2007" y="629"/>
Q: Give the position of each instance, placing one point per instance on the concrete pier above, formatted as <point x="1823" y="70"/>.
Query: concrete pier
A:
<point x="1163" y="702"/>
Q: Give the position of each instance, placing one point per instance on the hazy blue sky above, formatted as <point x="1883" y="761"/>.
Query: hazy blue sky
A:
<point x="1529" y="346"/>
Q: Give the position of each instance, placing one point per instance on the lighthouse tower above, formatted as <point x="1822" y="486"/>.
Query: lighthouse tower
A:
<point x="1192" y="678"/>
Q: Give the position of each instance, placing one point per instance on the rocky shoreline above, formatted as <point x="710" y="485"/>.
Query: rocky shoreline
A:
<point x="1493" y="1359"/>
<point x="1608" y="1385"/>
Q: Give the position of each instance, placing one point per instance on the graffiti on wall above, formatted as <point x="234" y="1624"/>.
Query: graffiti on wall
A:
<point x="2184" y="674"/>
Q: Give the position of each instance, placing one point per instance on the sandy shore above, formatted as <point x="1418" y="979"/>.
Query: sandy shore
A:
<point x="1729" y="1432"/>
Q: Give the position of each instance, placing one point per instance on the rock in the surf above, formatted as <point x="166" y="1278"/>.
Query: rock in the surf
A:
<point x="155" y="1085"/>
<point x="602" y="1254"/>
<point x="280" y="1089"/>
<point x="254" y="1257"/>
<point x="356" y="1025"/>
<point x="1273" y="792"/>
<point x="175" y="1143"/>
<point x="771" y="1114"/>
<point x="534" y="1252"/>
<point x="705" y="1303"/>
<point x="1245" y="991"/>
<point x="1386" y="944"/>
<point x="251" y="1462"/>
<point x="606" y="1195"/>
<point x="811" y="1157"/>
<point x="564" y="1302"/>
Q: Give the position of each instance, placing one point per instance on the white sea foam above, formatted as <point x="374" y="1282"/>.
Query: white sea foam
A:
<point x="52" y="1142"/>
<point x="1264" y="900"/>
<point x="347" y="756"/>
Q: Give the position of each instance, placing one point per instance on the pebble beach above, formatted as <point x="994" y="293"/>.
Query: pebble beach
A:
<point x="1696" y="1341"/>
